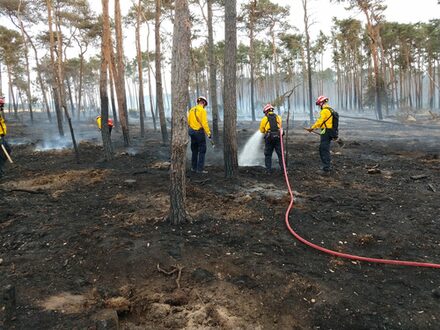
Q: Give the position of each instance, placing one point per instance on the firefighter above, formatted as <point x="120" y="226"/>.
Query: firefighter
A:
<point x="270" y="126"/>
<point x="198" y="128"/>
<point x="109" y="123"/>
<point x="3" y="143"/>
<point x="325" y="123"/>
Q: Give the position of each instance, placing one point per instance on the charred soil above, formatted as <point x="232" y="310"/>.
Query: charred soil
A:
<point x="86" y="244"/>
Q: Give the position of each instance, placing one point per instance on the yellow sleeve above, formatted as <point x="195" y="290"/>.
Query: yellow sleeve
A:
<point x="204" y="121"/>
<point x="325" y="114"/>
<point x="98" y="122"/>
<point x="279" y="121"/>
<point x="2" y="126"/>
<point x="263" y="124"/>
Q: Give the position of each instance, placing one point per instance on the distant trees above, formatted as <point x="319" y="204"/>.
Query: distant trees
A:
<point x="51" y="62"/>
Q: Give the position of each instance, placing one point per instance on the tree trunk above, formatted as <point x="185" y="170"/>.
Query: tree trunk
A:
<point x="374" y="35"/>
<point x="309" y="61"/>
<point x="103" y="84"/>
<point x="40" y="78"/>
<point x="26" y="57"/>
<point x="140" y="69"/>
<point x="120" y="76"/>
<point x="150" y="92"/>
<point x="179" y="91"/>
<point x="60" y="80"/>
<point x="212" y="75"/>
<point x="252" y="56"/>
<point x="159" y="92"/>
<point x="55" y="84"/>
<point x="112" y="96"/>
<point x="230" y="91"/>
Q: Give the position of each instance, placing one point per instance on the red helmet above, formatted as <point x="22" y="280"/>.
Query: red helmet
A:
<point x="202" y="98"/>
<point x="267" y="108"/>
<point x="321" y="100"/>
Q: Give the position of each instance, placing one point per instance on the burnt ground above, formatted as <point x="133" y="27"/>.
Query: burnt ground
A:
<point x="83" y="242"/>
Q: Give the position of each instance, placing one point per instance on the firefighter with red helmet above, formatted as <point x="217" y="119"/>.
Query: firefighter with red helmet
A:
<point x="198" y="128"/>
<point x="325" y="123"/>
<point x="109" y="124"/>
<point x="270" y="126"/>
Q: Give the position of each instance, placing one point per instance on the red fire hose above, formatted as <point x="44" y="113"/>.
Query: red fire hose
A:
<point x="335" y="253"/>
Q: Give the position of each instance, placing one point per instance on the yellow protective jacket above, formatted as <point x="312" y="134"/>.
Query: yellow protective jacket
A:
<point x="99" y="122"/>
<point x="2" y="126"/>
<point x="264" y="124"/>
<point x="325" y="120"/>
<point x="197" y="119"/>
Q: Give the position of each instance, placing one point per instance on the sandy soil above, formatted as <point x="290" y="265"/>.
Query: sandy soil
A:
<point x="83" y="243"/>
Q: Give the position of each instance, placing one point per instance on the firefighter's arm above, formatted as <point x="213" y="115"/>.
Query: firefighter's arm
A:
<point x="263" y="124"/>
<point x="2" y="126"/>
<point x="205" y="124"/>
<point x="325" y="113"/>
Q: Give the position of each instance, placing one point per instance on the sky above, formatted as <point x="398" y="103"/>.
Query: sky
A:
<point x="321" y="13"/>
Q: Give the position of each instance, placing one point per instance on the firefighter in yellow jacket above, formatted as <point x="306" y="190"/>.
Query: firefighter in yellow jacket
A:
<point x="109" y="123"/>
<point x="270" y="126"/>
<point x="325" y="123"/>
<point x="198" y="128"/>
<point x="3" y="143"/>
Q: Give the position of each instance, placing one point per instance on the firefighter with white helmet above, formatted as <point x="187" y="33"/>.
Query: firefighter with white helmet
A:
<point x="198" y="128"/>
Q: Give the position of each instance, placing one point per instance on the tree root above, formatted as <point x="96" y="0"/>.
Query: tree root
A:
<point x="176" y="268"/>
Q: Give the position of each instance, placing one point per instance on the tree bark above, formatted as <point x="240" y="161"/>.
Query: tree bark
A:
<point x="103" y="81"/>
<point x="212" y="75"/>
<point x="55" y="84"/>
<point x="309" y="64"/>
<point x="120" y="76"/>
<point x="179" y="92"/>
<point x="230" y="91"/>
<point x="159" y="91"/>
<point x="26" y="57"/>
<point x="140" y="69"/>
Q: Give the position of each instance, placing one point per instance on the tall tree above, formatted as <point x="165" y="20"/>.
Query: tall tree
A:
<point x="56" y="87"/>
<point x="373" y="11"/>
<point x="230" y="90"/>
<point x="103" y="82"/>
<point x="179" y="94"/>
<point x="309" y="63"/>
<point x="159" y="90"/>
<point x="140" y="67"/>
<point x="212" y="74"/>
<point x="120" y="76"/>
<point x="26" y="56"/>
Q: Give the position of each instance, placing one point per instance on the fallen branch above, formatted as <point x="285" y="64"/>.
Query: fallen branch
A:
<point x="419" y="177"/>
<point x="177" y="268"/>
<point x="29" y="191"/>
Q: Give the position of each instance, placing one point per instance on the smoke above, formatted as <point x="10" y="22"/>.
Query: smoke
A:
<point x="54" y="144"/>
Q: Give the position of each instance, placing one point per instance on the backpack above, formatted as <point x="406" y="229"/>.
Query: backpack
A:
<point x="274" y="131"/>
<point x="334" y="131"/>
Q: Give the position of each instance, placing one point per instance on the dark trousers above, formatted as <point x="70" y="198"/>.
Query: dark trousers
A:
<point x="198" y="148"/>
<point x="270" y="145"/>
<point x="3" y="157"/>
<point x="324" y="151"/>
